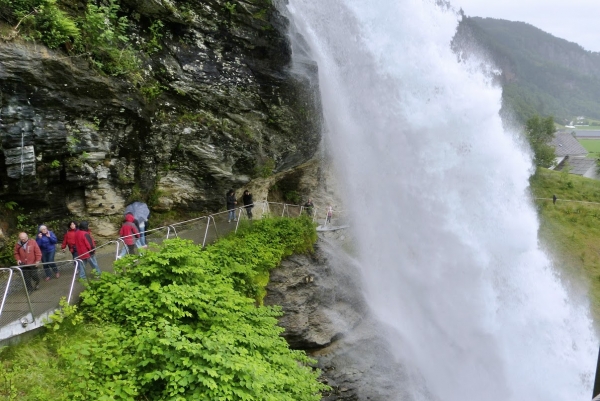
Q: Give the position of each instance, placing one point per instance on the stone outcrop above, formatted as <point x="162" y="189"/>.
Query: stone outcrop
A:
<point x="325" y="314"/>
<point x="225" y="109"/>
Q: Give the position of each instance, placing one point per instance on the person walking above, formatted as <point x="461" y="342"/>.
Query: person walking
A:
<point x="248" y="203"/>
<point x="69" y="239"/>
<point x="129" y="233"/>
<point x="231" y="202"/>
<point x="86" y="248"/>
<point x="27" y="254"/>
<point x="46" y="240"/>
<point x="329" y="215"/>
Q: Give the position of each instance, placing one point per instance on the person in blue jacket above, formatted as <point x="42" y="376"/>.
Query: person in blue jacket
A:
<point x="46" y="240"/>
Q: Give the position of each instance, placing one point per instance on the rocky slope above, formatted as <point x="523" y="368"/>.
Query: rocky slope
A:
<point x="325" y="314"/>
<point x="217" y="107"/>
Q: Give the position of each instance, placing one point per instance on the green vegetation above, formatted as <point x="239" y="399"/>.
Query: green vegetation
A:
<point x="570" y="230"/>
<point x="265" y="169"/>
<point x="592" y="146"/>
<point x="539" y="132"/>
<point x="230" y="7"/>
<point x="151" y="90"/>
<point x="98" y="31"/>
<point x="179" y="324"/>
<point x="156" y="32"/>
<point x="104" y="37"/>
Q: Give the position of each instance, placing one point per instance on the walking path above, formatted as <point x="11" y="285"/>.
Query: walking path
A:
<point x="21" y="311"/>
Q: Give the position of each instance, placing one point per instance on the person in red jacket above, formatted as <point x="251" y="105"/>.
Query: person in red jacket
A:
<point x="86" y="248"/>
<point x="129" y="232"/>
<point x="69" y="239"/>
<point x="27" y="253"/>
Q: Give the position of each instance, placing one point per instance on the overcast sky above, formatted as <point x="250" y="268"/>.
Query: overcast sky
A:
<point x="573" y="20"/>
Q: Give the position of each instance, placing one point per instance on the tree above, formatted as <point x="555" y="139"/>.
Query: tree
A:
<point x="540" y="132"/>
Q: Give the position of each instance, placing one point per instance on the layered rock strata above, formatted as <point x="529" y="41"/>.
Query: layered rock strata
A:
<point x="223" y="108"/>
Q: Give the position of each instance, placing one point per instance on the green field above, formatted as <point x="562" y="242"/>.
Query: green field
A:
<point x="592" y="146"/>
<point x="570" y="231"/>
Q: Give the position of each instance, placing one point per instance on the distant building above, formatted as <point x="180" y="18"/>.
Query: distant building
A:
<point x="569" y="152"/>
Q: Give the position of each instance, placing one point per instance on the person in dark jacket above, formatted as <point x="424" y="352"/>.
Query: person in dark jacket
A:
<point x="129" y="233"/>
<point x="69" y="239"/>
<point x="86" y="248"/>
<point x="27" y="254"/>
<point x="248" y="203"/>
<point x="46" y="240"/>
<point x="231" y="202"/>
<point x="309" y="207"/>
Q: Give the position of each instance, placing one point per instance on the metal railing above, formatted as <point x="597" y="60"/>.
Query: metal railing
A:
<point x="29" y="291"/>
<point x="20" y="307"/>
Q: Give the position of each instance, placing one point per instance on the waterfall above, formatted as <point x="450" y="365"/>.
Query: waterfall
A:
<point x="438" y="189"/>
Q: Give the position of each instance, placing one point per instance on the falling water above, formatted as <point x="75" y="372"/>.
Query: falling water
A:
<point x="438" y="189"/>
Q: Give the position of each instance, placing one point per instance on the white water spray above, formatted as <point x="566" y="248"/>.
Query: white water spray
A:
<point x="438" y="191"/>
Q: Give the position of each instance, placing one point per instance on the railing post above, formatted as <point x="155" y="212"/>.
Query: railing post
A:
<point x="237" y="223"/>
<point x="215" y="226"/>
<point x="10" y="273"/>
<point x="75" y="271"/>
<point x="206" y="231"/>
<point x="120" y="241"/>
<point x="169" y="231"/>
<point x="26" y="292"/>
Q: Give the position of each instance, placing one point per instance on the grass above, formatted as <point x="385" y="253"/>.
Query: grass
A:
<point x="592" y="146"/>
<point x="30" y="371"/>
<point x="570" y="231"/>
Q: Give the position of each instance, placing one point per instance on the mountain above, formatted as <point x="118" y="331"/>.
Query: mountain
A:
<point x="541" y="74"/>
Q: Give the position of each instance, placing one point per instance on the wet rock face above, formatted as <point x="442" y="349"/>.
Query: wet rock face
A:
<point x="325" y="314"/>
<point x="319" y="305"/>
<point x="224" y="105"/>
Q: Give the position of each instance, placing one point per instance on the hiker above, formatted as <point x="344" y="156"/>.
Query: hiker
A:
<point x="231" y="202"/>
<point x="309" y="206"/>
<point x="329" y="215"/>
<point x="129" y="233"/>
<point x="248" y="203"/>
<point x="27" y="254"/>
<point x="141" y="214"/>
<point x="86" y="248"/>
<point x="69" y="239"/>
<point x="46" y="240"/>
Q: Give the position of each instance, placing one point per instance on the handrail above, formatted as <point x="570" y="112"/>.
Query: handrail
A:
<point x="6" y="289"/>
<point x="26" y="292"/>
<point x="120" y="244"/>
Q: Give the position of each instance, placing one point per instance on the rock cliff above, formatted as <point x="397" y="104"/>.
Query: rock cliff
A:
<point x="325" y="313"/>
<point x="214" y="107"/>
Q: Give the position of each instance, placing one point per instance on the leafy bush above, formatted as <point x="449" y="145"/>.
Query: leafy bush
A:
<point x="104" y="36"/>
<point x="265" y="169"/>
<point x="540" y="132"/>
<point x="41" y="20"/>
<point x="174" y="326"/>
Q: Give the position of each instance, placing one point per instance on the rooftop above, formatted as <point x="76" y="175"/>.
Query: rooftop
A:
<point x="567" y="145"/>
<point x="578" y="166"/>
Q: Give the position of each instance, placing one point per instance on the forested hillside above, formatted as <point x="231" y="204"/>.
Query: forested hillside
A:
<point x="541" y="74"/>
